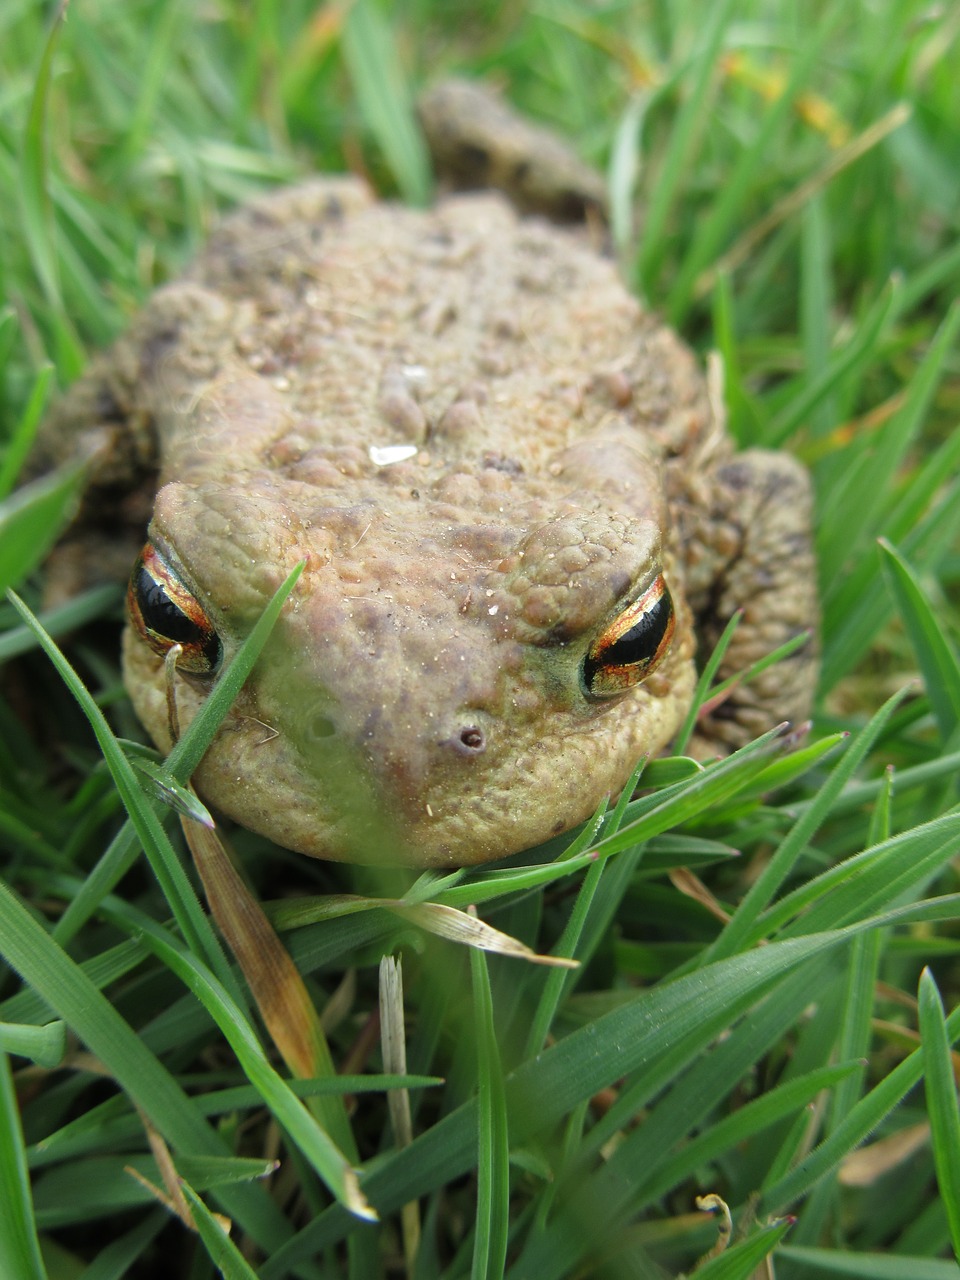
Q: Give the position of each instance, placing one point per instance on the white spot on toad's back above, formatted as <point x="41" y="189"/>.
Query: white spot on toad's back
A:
<point x="383" y="457"/>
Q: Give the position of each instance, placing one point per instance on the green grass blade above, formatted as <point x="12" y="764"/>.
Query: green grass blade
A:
<point x="19" y="1245"/>
<point x="61" y="619"/>
<point x="942" y="271"/>
<point x="677" y="1019"/>
<point x="816" y="301"/>
<point x="70" y="993"/>
<point x="854" y="1128"/>
<point x="856" y="615"/>
<point x="493" y="1156"/>
<point x="937" y="660"/>
<point x="166" y="865"/>
<point x="868" y="1266"/>
<point x="37" y="222"/>
<point x="223" y="1253"/>
<point x="941" y="1087"/>
<point x="159" y="783"/>
<point x="704" y="683"/>
<point x="371" y="54"/>
<point x="876" y="880"/>
<point x="119" y="856"/>
<point x="737" y="933"/>
<point x="314" y="1142"/>
<point x="743" y="417"/>
<point x="623" y="171"/>
<point x="847" y="523"/>
<point x="752" y="1118"/>
<point x="713" y="229"/>
<point x="205" y="1172"/>
<point x="37" y="211"/>
<point x="861" y="872"/>
<point x="740" y="1262"/>
<point x="18" y="445"/>
<point x="118" y="1260"/>
<point x="851" y="356"/>
<point x="856" y="1021"/>
<point x="556" y="980"/>
<point x="43" y="1045"/>
<point x="648" y="1158"/>
<point x="31" y="520"/>
<point x="687" y="126"/>
<point x="789" y="769"/>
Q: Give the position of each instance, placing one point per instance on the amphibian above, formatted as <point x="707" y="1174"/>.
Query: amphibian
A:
<point x="519" y="509"/>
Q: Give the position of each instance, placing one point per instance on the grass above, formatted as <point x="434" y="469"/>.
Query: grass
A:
<point x="784" y="188"/>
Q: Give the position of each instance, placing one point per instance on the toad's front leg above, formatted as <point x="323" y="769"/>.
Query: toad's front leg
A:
<point x="749" y="547"/>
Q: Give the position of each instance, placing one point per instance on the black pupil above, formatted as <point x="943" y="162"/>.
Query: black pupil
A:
<point x="638" y="646"/>
<point x="644" y="638"/>
<point x="165" y="619"/>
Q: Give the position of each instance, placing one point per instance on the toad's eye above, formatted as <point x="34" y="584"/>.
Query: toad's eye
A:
<point x="633" y="645"/>
<point x="165" y="613"/>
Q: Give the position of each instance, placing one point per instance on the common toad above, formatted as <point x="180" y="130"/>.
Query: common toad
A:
<point x="520" y="513"/>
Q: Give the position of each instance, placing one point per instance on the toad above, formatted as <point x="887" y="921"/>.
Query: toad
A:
<point x="519" y="510"/>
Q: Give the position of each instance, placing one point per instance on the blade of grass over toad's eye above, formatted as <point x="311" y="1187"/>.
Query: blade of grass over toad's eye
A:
<point x="938" y="662"/>
<point x="181" y="763"/>
<point x="941" y="1091"/>
<point x="188" y="752"/>
<point x="19" y="1245"/>
<point x="165" y="864"/>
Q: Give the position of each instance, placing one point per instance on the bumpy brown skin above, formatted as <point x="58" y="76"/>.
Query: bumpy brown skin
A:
<point x="479" y="142"/>
<point x="421" y="699"/>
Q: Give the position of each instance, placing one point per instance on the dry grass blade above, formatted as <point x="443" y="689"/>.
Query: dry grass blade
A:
<point x="394" y="1047"/>
<point x="457" y="926"/>
<point x="276" y="985"/>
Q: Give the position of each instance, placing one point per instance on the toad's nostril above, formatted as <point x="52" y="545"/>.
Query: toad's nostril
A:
<point x="471" y="740"/>
<point x="322" y="727"/>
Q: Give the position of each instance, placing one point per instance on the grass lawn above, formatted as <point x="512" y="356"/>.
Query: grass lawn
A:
<point x="772" y="1025"/>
